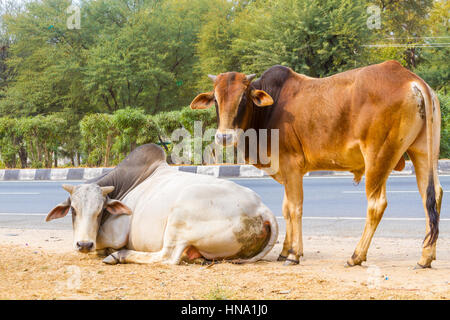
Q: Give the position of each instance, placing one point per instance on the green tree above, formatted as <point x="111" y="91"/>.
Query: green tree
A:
<point x="403" y="26"/>
<point x="147" y="62"/>
<point x="434" y="69"/>
<point x="214" y="47"/>
<point x="314" y="37"/>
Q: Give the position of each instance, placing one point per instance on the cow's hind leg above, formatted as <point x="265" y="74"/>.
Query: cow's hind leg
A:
<point x="420" y="161"/>
<point x="378" y="168"/>
<point x="168" y="255"/>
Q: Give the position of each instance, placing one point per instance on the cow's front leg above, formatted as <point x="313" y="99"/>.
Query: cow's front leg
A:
<point x="169" y="255"/>
<point x="293" y="203"/>
<point x="105" y="252"/>
<point x="113" y="234"/>
<point x="131" y="256"/>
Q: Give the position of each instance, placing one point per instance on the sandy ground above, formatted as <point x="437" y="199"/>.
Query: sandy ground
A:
<point x="40" y="264"/>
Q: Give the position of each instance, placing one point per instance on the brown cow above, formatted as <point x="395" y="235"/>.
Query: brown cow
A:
<point x="362" y="121"/>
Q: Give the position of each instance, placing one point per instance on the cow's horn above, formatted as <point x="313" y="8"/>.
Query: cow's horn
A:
<point x="69" y="188"/>
<point x="250" y="77"/>
<point x="106" y="190"/>
<point x="212" y="77"/>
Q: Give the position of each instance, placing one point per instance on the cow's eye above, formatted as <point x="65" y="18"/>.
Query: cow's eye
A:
<point x="73" y="211"/>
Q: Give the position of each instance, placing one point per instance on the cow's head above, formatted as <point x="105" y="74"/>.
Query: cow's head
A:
<point x="87" y="202"/>
<point x="233" y="96"/>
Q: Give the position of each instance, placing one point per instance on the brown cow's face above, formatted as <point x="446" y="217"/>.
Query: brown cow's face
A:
<point x="230" y="89"/>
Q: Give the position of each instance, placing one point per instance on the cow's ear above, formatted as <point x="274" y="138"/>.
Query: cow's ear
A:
<point x="203" y="101"/>
<point x="60" y="211"/>
<point x="261" y="98"/>
<point x="117" y="207"/>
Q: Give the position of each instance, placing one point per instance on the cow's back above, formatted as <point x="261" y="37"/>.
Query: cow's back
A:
<point x="325" y="120"/>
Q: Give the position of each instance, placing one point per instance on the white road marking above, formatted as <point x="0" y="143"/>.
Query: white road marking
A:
<point x="18" y="193"/>
<point x="281" y="218"/>
<point x="392" y="191"/>
<point x="40" y="181"/>
<point x="363" y="218"/>
<point x="21" y="214"/>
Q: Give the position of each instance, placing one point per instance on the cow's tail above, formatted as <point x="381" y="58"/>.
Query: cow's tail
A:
<point x="432" y="126"/>
<point x="271" y="225"/>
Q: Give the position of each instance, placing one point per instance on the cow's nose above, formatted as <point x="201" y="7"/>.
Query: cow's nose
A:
<point x="84" y="246"/>
<point x="223" y="138"/>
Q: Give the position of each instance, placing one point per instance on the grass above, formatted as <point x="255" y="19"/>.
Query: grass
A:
<point x="217" y="293"/>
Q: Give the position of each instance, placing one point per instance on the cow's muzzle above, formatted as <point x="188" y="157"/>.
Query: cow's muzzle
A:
<point x="85" y="246"/>
<point x="224" y="139"/>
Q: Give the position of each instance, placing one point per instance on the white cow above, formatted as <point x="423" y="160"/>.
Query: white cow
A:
<point x="167" y="214"/>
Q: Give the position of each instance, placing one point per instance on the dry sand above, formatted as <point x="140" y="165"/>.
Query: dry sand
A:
<point x="40" y="264"/>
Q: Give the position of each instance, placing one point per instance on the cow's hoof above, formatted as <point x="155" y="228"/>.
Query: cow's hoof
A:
<point x="290" y="262"/>
<point x="418" y="266"/>
<point x="349" y="265"/>
<point x="105" y="252"/>
<point x="355" y="260"/>
<point x="111" y="259"/>
<point x="281" y="258"/>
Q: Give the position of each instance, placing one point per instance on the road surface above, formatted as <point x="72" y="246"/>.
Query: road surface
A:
<point x="333" y="205"/>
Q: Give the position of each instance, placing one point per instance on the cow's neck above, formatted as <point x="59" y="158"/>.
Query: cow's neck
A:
<point x="258" y="118"/>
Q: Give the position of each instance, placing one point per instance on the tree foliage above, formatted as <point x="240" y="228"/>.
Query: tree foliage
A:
<point x="90" y="95"/>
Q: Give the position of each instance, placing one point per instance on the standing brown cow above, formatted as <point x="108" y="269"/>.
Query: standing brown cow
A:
<point x="361" y="121"/>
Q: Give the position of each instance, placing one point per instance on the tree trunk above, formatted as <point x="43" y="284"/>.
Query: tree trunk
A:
<point x="23" y="157"/>
<point x="108" y="150"/>
<point x="55" y="160"/>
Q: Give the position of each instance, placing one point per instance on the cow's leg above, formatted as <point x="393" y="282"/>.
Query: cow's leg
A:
<point x="420" y="161"/>
<point x="377" y="172"/>
<point x="287" y="244"/>
<point x="293" y="203"/>
<point x="171" y="252"/>
<point x="168" y="255"/>
<point x="113" y="234"/>
<point x="376" y="204"/>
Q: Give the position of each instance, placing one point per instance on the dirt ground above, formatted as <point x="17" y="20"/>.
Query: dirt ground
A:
<point x="40" y="264"/>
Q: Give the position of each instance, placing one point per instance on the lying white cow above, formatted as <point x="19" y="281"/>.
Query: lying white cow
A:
<point x="164" y="213"/>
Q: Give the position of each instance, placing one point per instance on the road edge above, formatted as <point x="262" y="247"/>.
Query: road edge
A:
<point x="221" y="171"/>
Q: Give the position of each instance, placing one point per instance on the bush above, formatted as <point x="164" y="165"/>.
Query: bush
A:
<point x="129" y="122"/>
<point x="97" y="138"/>
<point x="206" y="116"/>
<point x="9" y="138"/>
<point x="445" y="127"/>
<point x="42" y="136"/>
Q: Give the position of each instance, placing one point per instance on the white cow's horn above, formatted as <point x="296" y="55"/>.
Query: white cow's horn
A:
<point x="69" y="188"/>
<point x="106" y="190"/>
<point x="250" y="77"/>
<point x="213" y="78"/>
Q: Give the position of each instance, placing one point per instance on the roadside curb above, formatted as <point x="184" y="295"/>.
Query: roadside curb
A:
<point x="225" y="171"/>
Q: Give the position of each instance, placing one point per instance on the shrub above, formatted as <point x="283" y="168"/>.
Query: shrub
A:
<point x="445" y="127"/>
<point x="97" y="138"/>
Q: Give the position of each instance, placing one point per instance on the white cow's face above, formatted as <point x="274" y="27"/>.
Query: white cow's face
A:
<point x="87" y="202"/>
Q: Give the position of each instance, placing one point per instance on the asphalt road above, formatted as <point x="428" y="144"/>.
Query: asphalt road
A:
<point x="333" y="205"/>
